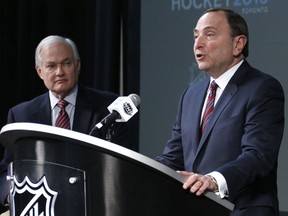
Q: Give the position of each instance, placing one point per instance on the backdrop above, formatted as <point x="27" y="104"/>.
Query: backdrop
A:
<point x="168" y="65"/>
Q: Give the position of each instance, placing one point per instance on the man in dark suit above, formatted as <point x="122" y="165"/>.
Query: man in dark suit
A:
<point x="58" y="65"/>
<point x="236" y="154"/>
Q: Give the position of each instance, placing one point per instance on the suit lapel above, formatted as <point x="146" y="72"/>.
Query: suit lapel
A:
<point x="227" y="95"/>
<point x="199" y="101"/>
<point x="229" y="92"/>
<point x="83" y="112"/>
<point x="192" y="108"/>
<point x="224" y="100"/>
<point x="42" y="112"/>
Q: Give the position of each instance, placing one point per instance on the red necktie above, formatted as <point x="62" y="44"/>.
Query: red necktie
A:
<point x="63" y="120"/>
<point x="209" y="105"/>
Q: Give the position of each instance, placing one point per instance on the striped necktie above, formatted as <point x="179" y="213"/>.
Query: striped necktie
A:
<point x="62" y="120"/>
<point x="209" y="105"/>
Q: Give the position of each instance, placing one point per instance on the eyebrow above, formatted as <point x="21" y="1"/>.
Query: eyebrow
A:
<point x="206" y="28"/>
<point x="66" y="59"/>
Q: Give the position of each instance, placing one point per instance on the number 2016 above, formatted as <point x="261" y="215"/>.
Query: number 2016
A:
<point x="239" y="3"/>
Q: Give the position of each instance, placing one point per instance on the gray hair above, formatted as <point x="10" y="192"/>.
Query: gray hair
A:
<point x="52" y="39"/>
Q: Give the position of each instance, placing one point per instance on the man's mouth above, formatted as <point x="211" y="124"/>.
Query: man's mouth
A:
<point x="199" y="56"/>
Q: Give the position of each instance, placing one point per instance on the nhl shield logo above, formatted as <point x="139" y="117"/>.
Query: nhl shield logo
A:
<point x="36" y="199"/>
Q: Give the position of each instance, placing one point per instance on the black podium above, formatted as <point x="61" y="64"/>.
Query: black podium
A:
<point x="61" y="172"/>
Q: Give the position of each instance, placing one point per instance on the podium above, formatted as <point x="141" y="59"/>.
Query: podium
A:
<point x="61" y="172"/>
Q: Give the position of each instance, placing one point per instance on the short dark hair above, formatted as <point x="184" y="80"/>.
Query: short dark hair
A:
<point x="237" y="24"/>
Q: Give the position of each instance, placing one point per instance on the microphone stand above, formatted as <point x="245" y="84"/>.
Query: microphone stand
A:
<point x="109" y="133"/>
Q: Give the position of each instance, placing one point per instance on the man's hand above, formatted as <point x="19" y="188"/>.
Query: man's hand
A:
<point x="197" y="183"/>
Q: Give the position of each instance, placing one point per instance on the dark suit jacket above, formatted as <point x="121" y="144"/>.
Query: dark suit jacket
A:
<point x="241" y="141"/>
<point x="91" y="108"/>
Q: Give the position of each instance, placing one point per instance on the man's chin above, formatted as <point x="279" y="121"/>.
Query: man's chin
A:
<point x="202" y="67"/>
<point x="61" y="89"/>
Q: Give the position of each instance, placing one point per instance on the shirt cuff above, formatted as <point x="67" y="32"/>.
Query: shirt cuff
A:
<point x="222" y="185"/>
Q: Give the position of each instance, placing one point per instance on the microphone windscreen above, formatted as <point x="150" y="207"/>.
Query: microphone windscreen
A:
<point x="135" y="99"/>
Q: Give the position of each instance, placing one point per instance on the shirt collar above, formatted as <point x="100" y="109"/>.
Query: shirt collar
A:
<point x="223" y="80"/>
<point x="71" y="98"/>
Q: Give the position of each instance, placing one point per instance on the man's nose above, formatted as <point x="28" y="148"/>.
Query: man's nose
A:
<point x="198" y="42"/>
<point x="59" y="68"/>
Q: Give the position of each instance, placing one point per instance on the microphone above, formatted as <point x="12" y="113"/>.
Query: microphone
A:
<point x="121" y="110"/>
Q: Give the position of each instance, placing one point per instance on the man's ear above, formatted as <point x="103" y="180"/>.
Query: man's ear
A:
<point x="39" y="71"/>
<point x="78" y="65"/>
<point x="239" y="44"/>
